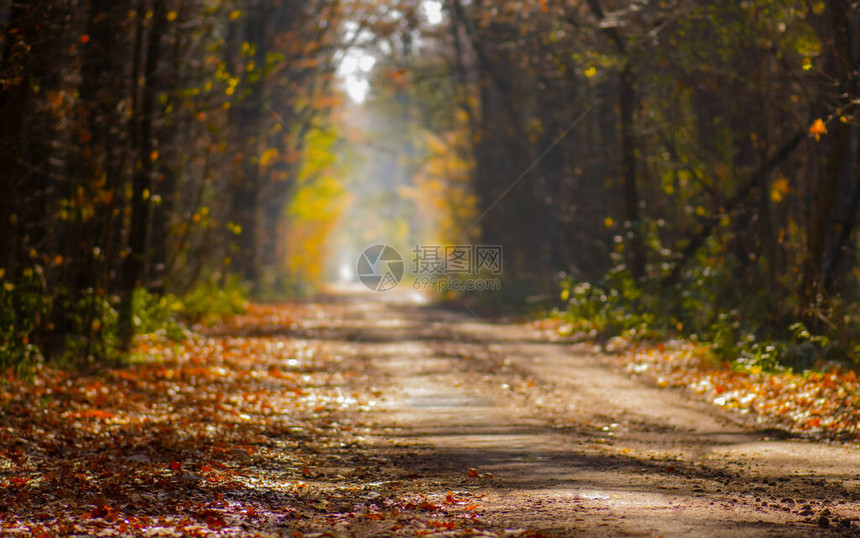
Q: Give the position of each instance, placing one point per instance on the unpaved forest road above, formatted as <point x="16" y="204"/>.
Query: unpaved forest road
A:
<point x="574" y="446"/>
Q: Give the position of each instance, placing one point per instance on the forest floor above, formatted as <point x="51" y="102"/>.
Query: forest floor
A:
<point x="372" y="415"/>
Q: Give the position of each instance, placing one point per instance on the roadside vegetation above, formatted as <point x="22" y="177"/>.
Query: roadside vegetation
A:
<point x="803" y="383"/>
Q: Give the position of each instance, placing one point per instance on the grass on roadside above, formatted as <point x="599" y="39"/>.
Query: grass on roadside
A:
<point x="804" y="383"/>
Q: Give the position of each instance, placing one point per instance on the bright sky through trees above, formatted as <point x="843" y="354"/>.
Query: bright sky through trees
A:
<point x="356" y="64"/>
<point x="354" y="70"/>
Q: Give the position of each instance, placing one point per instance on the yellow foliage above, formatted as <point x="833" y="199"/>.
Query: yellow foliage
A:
<point x="268" y="156"/>
<point x="779" y="189"/>
<point x="817" y="129"/>
<point x="442" y="190"/>
<point x="317" y="204"/>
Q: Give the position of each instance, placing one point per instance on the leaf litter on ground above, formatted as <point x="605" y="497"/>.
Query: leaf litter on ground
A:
<point x="244" y="428"/>
<point x="823" y="405"/>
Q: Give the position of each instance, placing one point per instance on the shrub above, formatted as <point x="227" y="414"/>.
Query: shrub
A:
<point x="210" y="300"/>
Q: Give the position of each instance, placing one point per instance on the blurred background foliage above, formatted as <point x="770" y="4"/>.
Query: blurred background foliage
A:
<point x="650" y="168"/>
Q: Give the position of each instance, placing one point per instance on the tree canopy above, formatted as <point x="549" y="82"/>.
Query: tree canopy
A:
<point x="697" y="161"/>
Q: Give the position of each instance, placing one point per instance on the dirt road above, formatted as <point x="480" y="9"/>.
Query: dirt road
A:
<point x="555" y="438"/>
<point x="354" y="415"/>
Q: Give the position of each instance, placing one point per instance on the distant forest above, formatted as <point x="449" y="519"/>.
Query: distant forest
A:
<point x="683" y="165"/>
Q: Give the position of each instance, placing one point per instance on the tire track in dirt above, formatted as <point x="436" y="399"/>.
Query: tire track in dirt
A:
<point x="562" y="442"/>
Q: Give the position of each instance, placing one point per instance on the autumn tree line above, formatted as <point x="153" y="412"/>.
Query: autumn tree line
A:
<point x="686" y="164"/>
<point x="681" y="165"/>
<point x="145" y="145"/>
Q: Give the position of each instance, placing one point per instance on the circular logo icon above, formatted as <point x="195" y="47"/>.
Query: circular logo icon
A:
<point x="380" y="267"/>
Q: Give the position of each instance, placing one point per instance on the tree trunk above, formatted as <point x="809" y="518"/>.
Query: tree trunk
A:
<point x="14" y="97"/>
<point x="636" y="244"/>
<point x="135" y="261"/>
<point x="841" y="67"/>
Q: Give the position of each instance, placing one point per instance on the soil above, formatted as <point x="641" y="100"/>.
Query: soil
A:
<point x="548" y="438"/>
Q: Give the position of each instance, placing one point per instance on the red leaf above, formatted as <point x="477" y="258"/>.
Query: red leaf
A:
<point x="427" y="505"/>
<point x="92" y="413"/>
<point x="99" y="511"/>
<point x="215" y="522"/>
